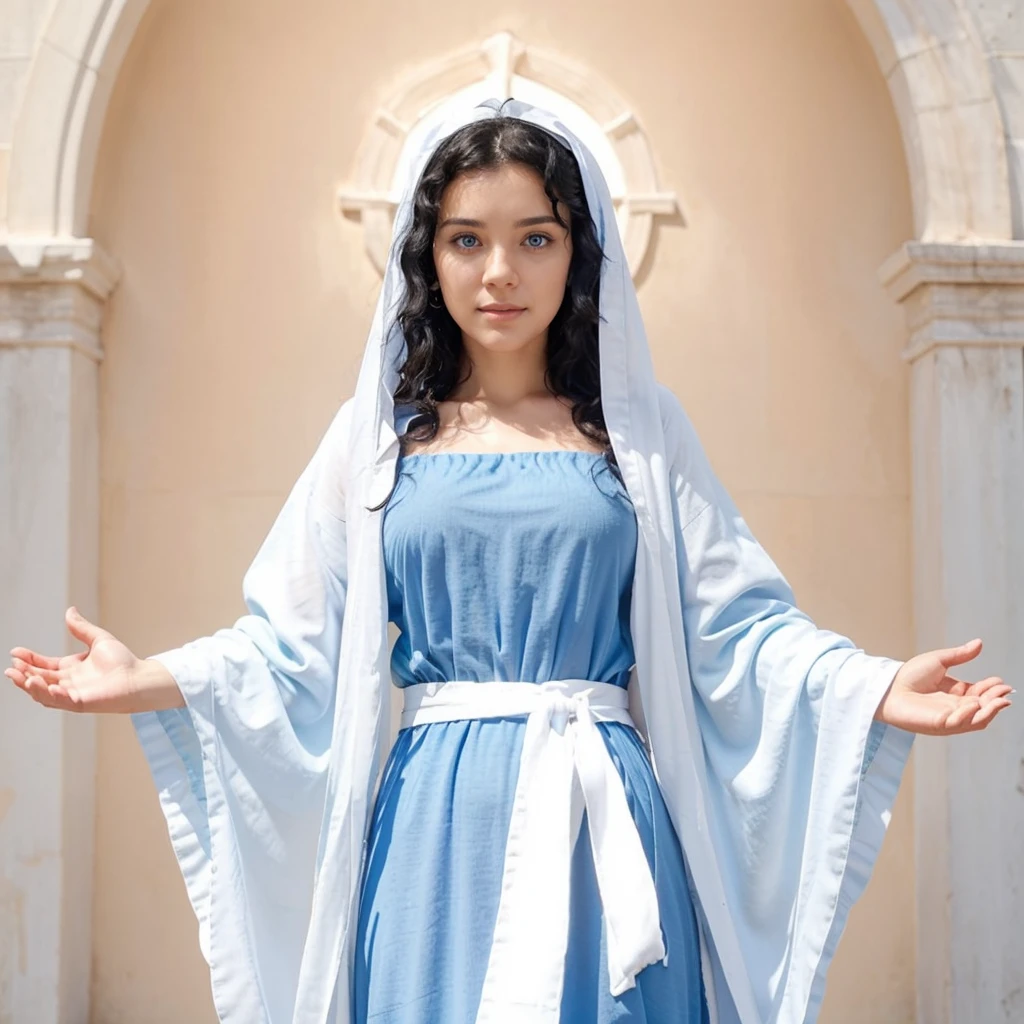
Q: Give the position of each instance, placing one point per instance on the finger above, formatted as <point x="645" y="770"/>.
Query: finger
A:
<point x="963" y="714"/>
<point x="34" y="658"/>
<point x="61" y="699"/>
<point x="984" y="685"/>
<point x="81" y="628"/>
<point x="55" y="696"/>
<point x="984" y="689"/>
<point x="996" y="692"/>
<point x="16" y="677"/>
<point x="38" y="691"/>
<point x="48" y="676"/>
<point x="987" y="713"/>
<point x="951" y="656"/>
<point x="960" y="688"/>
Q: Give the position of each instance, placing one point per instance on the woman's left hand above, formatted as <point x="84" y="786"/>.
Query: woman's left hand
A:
<point x="924" y="698"/>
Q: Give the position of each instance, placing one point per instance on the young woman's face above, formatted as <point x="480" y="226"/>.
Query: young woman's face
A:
<point x="497" y="244"/>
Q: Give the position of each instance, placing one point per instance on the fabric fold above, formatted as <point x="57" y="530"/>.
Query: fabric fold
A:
<point x="801" y="778"/>
<point x="241" y="769"/>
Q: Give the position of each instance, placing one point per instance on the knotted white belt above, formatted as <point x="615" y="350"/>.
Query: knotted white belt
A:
<point x="526" y="968"/>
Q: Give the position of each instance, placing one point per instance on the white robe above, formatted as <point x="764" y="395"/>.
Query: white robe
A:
<point x="777" y="780"/>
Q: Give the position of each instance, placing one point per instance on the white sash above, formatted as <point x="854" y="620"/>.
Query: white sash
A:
<point x="564" y="767"/>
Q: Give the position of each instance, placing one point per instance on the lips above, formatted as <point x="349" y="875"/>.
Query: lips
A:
<point x="497" y="315"/>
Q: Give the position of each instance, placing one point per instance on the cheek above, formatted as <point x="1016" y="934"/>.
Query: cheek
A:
<point x="454" y="274"/>
<point x="550" y="279"/>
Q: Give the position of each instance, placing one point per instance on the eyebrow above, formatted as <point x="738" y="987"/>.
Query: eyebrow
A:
<point x="465" y="222"/>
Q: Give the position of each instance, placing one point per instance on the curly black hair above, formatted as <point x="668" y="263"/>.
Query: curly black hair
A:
<point x="430" y="372"/>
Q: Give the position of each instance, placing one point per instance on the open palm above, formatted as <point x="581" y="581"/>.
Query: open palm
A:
<point x="97" y="679"/>
<point x="925" y="698"/>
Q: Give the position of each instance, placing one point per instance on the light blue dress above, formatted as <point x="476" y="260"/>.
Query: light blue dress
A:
<point x="510" y="566"/>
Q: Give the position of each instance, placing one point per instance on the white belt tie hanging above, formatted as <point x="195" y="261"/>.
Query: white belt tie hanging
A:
<point x="564" y="767"/>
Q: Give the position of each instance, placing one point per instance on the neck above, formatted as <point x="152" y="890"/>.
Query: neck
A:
<point x="501" y="379"/>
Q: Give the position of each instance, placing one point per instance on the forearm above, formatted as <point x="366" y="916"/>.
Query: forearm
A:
<point x="153" y="687"/>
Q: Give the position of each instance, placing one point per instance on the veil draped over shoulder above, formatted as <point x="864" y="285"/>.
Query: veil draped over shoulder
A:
<point x="760" y="725"/>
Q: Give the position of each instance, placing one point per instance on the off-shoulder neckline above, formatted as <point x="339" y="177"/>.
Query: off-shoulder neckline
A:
<point x="405" y="456"/>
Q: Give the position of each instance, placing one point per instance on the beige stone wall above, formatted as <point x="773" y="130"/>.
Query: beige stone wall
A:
<point x="237" y="328"/>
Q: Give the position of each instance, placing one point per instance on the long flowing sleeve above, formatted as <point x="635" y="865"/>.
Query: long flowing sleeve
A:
<point x="241" y="770"/>
<point x="801" y="778"/>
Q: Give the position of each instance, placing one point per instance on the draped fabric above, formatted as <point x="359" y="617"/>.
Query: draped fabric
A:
<point x="777" y="780"/>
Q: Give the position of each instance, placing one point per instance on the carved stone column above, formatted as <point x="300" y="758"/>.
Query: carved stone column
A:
<point x="52" y="294"/>
<point x="965" y="314"/>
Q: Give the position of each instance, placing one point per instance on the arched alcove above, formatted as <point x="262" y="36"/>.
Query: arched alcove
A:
<point x="951" y="134"/>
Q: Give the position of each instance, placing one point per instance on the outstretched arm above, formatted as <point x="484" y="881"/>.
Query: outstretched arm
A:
<point x="804" y="736"/>
<point x="743" y="624"/>
<point x="294" y="591"/>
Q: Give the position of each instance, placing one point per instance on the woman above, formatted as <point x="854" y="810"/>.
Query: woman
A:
<point x="601" y="668"/>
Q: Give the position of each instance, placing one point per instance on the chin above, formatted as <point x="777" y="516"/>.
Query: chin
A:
<point x="500" y="341"/>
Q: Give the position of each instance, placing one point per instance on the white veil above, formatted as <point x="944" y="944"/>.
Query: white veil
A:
<point x="630" y="400"/>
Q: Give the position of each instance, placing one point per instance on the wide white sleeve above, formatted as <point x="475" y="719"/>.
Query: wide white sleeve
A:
<point x="241" y="769"/>
<point x="801" y="778"/>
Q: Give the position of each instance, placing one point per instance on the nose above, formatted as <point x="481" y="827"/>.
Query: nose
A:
<point x="498" y="270"/>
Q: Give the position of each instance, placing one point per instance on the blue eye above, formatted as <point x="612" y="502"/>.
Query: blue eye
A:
<point x="544" y="240"/>
<point x="458" y="238"/>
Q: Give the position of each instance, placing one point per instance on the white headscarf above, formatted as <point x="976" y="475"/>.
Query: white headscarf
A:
<point x="629" y="397"/>
<point x="777" y="781"/>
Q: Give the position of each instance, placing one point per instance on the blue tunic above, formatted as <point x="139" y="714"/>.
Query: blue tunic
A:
<point x="513" y="566"/>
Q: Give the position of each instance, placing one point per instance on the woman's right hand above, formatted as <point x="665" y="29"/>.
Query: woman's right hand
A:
<point x="100" y="679"/>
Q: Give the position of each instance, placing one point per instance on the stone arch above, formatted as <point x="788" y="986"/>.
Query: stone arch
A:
<point x="953" y="137"/>
<point x="57" y="131"/>
<point x="928" y="51"/>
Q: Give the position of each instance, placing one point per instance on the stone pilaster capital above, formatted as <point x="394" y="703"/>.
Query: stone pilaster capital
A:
<point x="53" y="291"/>
<point x="958" y="294"/>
